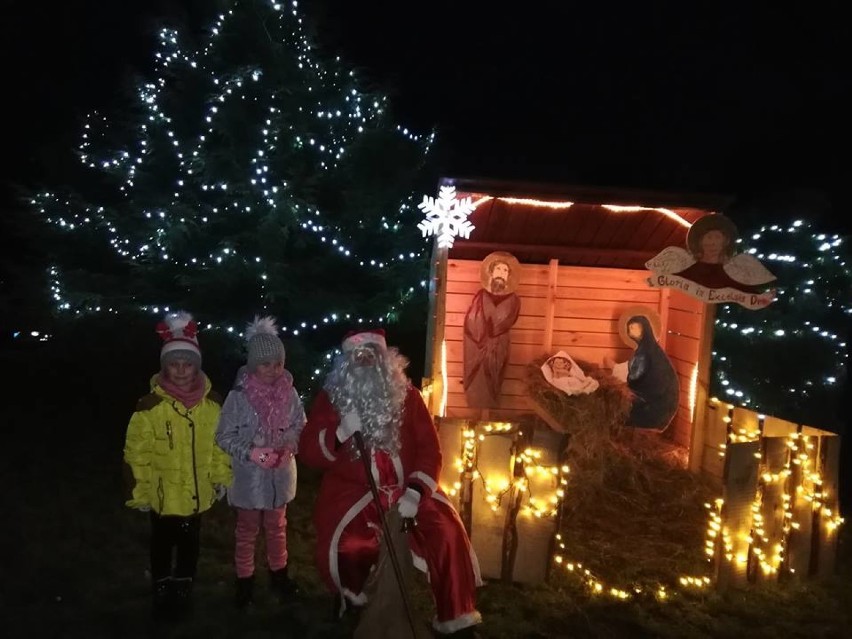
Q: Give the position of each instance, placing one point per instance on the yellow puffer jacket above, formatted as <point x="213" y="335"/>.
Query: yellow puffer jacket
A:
<point x="172" y="453"/>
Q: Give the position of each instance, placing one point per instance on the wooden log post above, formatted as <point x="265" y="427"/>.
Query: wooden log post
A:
<point x="769" y="536"/>
<point x="435" y="356"/>
<point x="550" y="306"/>
<point x="536" y="523"/>
<point x="825" y="527"/>
<point x="491" y="499"/>
<point x="801" y="508"/>
<point x="702" y="390"/>
<point x="739" y="486"/>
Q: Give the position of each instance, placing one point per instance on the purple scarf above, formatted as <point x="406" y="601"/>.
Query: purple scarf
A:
<point x="190" y="396"/>
<point x="272" y="404"/>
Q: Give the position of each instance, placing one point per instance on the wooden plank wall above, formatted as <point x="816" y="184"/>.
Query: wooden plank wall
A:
<point x="587" y="303"/>
<point x="683" y="345"/>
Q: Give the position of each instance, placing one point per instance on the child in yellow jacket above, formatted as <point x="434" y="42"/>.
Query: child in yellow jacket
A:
<point x="178" y="469"/>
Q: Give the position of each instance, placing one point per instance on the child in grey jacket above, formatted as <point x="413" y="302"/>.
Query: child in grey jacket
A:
<point x="259" y="426"/>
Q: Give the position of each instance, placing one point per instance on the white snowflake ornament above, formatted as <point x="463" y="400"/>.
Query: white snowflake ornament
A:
<point x="446" y="217"/>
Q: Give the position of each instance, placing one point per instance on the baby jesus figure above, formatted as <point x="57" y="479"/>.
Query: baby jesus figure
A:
<point x="563" y="373"/>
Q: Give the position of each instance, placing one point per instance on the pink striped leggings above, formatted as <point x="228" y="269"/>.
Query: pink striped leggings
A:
<point x="248" y="527"/>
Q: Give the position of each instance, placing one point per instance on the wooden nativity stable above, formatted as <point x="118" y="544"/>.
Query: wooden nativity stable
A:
<point x="580" y="260"/>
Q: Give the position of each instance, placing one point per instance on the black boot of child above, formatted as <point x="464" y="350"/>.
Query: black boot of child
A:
<point x="161" y="602"/>
<point x="244" y="593"/>
<point x="182" y="597"/>
<point x="282" y="586"/>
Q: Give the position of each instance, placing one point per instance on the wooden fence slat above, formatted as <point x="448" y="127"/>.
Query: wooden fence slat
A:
<point x="568" y="324"/>
<point x="740" y="482"/>
<point x="590" y="277"/>
<point x="714" y="436"/>
<point x="559" y="338"/>
<point x="799" y="538"/>
<point x="829" y="470"/>
<point x="684" y="323"/>
<point x="450" y="438"/>
<point x="535" y="534"/>
<point x="523" y="354"/>
<point x="486" y="536"/>
<point x="684" y="302"/>
<point x="550" y="310"/>
<point x="775" y="427"/>
<point x="772" y="507"/>
<point x="683" y="348"/>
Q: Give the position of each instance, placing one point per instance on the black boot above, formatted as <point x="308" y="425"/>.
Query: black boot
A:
<point x="244" y="593"/>
<point x="281" y="584"/>
<point x="161" y="602"/>
<point x="182" y="597"/>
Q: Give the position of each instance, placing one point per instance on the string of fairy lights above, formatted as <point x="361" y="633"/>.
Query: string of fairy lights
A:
<point x="753" y="545"/>
<point x="318" y="134"/>
<point x="805" y="279"/>
<point x="803" y="494"/>
<point x="543" y="503"/>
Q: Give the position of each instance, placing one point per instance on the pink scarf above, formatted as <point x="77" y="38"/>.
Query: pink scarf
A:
<point x="272" y="404"/>
<point x="190" y="396"/>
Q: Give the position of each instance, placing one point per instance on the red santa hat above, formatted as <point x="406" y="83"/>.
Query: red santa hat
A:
<point x="354" y="339"/>
<point x="179" y="333"/>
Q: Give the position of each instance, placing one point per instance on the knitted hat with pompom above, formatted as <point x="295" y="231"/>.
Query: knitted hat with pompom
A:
<point x="179" y="333"/>
<point x="264" y="345"/>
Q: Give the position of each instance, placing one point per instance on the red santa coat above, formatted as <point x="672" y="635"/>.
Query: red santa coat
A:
<point x="346" y="518"/>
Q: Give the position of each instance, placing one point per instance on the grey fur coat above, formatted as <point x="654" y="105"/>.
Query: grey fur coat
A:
<point x="238" y="432"/>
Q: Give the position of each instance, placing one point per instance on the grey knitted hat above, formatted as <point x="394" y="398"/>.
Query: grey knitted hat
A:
<point x="264" y="344"/>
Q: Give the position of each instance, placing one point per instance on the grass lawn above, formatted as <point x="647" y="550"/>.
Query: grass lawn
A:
<point x="74" y="559"/>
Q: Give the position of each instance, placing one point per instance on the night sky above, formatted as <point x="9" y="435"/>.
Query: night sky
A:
<point x="751" y="102"/>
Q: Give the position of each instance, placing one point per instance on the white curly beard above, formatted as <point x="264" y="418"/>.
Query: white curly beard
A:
<point x="376" y="393"/>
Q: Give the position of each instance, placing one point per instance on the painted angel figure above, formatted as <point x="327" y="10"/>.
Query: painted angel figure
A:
<point x="710" y="260"/>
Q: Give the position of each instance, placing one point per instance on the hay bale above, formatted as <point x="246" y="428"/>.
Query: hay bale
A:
<point x="593" y="421"/>
<point x="633" y="513"/>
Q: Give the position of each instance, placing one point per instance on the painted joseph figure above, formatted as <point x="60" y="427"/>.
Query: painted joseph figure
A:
<point x="492" y="313"/>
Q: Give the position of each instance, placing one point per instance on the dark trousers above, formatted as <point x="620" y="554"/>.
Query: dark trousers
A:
<point x="174" y="535"/>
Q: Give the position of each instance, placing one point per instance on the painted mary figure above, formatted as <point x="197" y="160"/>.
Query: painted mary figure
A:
<point x="651" y="377"/>
<point x="562" y="372"/>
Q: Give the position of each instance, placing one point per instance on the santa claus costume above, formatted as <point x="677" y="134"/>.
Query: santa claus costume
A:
<point x="368" y="391"/>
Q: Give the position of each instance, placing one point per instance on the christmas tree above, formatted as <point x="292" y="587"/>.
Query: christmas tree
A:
<point x="249" y="175"/>
<point x="789" y="359"/>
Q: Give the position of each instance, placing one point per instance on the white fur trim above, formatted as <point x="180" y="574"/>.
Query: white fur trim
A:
<point x="374" y="469"/>
<point x="325" y="451"/>
<point x="359" y="339"/>
<point x="453" y="625"/>
<point x="333" y="556"/>
<point x="397" y="468"/>
<point x="431" y="483"/>
<point x="358" y="600"/>
<point x="420" y="564"/>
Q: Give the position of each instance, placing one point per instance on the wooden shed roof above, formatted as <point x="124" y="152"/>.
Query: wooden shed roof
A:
<point x="582" y="226"/>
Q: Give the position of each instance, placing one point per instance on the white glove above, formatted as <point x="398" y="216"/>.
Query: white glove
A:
<point x="219" y="491"/>
<point x="408" y="503"/>
<point x="350" y="424"/>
